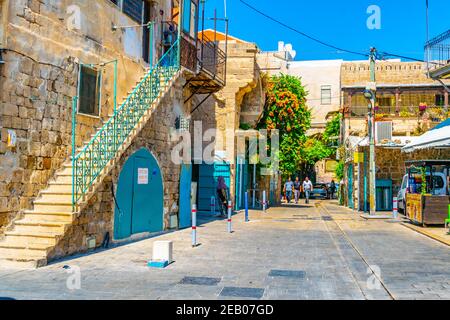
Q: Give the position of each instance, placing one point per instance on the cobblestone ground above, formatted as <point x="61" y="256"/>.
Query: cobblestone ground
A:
<point x="319" y="251"/>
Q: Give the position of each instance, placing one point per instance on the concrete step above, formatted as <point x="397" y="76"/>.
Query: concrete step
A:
<point x="63" y="217"/>
<point x="43" y="206"/>
<point x="58" y="189"/>
<point x="22" y="254"/>
<point x="25" y="239"/>
<point x="63" y="179"/>
<point x="55" y="198"/>
<point x="25" y="264"/>
<point x="30" y="245"/>
<point x="26" y="226"/>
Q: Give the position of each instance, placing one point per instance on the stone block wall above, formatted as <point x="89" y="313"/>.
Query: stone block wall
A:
<point x="222" y="111"/>
<point x="97" y="218"/>
<point x="39" y="79"/>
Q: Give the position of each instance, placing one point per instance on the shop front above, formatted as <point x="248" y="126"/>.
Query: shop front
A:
<point x="427" y="191"/>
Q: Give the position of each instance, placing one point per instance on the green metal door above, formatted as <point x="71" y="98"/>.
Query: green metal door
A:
<point x="207" y="184"/>
<point x="185" y="195"/>
<point x="350" y="186"/>
<point x="139" y="195"/>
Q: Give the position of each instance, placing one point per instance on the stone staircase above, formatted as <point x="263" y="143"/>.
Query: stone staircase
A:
<point x="28" y="241"/>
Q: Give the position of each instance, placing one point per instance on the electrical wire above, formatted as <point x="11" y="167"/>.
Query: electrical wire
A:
<point x="302" y="33"/>
<point x="382" y="57"/>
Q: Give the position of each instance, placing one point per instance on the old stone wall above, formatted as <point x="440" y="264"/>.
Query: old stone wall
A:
<point x="39" y="79"/>
<point x="98" y="217"/>
<point x="387" y="72"/>
<point x="222" y="111"/>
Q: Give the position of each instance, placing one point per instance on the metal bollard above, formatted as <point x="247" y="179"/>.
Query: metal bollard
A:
<point x="246" y="206"/>
<point x="229" y="217"/>
<point x="264" y="200"/>
<point x="213" y="205"/>
<point x="194" y="225"/>
<point x="395" y="208"/>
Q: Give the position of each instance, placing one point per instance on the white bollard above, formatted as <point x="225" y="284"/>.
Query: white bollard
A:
<point x="229" y="217"/>
<point x="213" y="205"/>
<point x="162" y="251"/>
<point x="194" y="225"/>
<point x="395" y="208"/>
<point x="264" y="200"/>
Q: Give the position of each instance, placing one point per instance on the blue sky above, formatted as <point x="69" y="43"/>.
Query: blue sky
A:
<point x="341" y="23"/>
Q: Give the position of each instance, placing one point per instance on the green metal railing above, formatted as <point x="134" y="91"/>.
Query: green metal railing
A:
<point x="90" y="161"/>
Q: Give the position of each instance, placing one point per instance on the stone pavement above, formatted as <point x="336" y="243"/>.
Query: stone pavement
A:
<point x="316" y="251"/>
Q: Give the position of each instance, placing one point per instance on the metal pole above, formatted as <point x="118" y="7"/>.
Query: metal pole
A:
<point x="246" y="206"/>
<point x="264" y="201"/>
<point x="194" y="225"/>
<point x="115" y="84"/>
<point x="179" y="32"/>
<point x="213" y="205"/>
<point x="74" y="124"/>
<point x="395" y="208"/>
<point x="254" y="187"/>
<point x="372" y="185"/>
<point x="151" y="30"/>
<point x="229" y="217"/>
<point x="241" y="167"/>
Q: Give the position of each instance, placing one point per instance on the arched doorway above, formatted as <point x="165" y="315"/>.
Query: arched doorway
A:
<point x="140" y="197"/>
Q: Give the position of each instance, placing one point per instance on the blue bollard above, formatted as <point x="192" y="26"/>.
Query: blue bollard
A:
<point x="246" y="206"/>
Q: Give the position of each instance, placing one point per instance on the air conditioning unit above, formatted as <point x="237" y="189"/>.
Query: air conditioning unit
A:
<point x="383" y="131"/>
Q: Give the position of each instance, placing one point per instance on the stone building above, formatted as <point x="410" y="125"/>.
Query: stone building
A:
<point x="401" y="88"/>
<point x="238" y="105"/>
<point x="408" y="103"/>
<point x="90" y="92"/>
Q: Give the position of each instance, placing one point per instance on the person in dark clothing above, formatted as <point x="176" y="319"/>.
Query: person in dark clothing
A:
<point x="222" y="193"/>
<point x="332" y="189"/>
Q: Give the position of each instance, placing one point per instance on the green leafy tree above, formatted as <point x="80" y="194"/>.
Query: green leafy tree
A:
<point x="287" y="112"/>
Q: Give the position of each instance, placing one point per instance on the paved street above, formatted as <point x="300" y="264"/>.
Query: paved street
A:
<point x="319" y="251"/>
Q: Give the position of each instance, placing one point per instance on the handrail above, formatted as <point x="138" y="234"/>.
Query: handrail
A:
<point x="95" y="155"/>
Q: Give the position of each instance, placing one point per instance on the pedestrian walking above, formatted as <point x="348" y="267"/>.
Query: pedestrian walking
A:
<point x="307" y="188"/>
<point x="222" y="193"/>
<point x="332" y="189"/>
<point x="288" y="187"/>
<point x="297" y="186"/>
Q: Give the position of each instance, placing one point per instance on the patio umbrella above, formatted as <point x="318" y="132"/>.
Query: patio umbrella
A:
<point x="437" y="137"/>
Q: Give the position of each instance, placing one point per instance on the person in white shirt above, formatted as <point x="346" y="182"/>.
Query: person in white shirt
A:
<point x="307" y="188"/>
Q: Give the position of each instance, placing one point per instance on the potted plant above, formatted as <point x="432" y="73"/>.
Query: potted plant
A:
<point x="422" y="106"/>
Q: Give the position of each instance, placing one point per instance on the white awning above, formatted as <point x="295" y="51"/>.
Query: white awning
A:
<point x="437" y="138"/>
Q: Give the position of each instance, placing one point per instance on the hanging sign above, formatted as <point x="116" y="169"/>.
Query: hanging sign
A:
<point x="142" y="175"/>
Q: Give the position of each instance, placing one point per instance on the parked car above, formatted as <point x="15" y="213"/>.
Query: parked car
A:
<point x="320" y="191"/>
<point x="439" y="183"/>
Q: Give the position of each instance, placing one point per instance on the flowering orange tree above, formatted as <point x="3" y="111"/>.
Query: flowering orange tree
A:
<point x="287" y="112"/>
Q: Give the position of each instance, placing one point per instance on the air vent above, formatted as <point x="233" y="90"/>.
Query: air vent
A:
<point x="383" y="131"/>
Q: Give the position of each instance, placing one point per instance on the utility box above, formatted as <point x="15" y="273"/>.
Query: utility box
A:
<point x="384" y="194"/>
<point x="162" y="251"/>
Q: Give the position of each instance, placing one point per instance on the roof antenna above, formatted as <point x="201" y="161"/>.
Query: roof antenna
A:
<point x="225" y="8"/>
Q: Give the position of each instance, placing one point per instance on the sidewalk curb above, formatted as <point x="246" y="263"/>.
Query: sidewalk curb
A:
<point x="425" y="233"/>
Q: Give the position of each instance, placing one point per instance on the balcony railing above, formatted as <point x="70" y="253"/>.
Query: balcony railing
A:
<point x="212" y="59"/>
<point x="437" y="52"/>
<point x="435" y="113"/>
